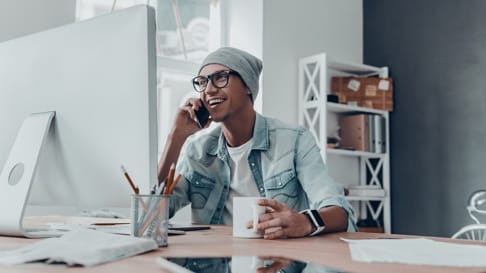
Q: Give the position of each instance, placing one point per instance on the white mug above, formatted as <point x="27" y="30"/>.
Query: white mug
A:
<point x="246" y="264"/>
<point x="246" y="209"/>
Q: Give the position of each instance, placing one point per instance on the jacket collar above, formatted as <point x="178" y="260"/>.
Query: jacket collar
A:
<point x="261" y="138"/>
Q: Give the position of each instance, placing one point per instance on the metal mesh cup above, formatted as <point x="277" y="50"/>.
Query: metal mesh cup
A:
<point x="150" y="217"/>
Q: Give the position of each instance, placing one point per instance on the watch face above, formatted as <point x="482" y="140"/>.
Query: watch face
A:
<point x="317" y="217"/>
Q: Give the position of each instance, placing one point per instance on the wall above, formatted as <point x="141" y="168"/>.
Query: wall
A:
<point x="293" y="29"/>
<point x="437" y="57"/>
<point x="245" y="30"/>
<point x="22" y="17"/>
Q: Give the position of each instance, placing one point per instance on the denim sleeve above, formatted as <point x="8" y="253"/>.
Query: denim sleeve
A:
<point x="179" y="198"/>
<point x="320" y="188"/>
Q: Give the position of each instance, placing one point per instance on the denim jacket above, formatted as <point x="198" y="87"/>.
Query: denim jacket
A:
<point x="285" y="162"/>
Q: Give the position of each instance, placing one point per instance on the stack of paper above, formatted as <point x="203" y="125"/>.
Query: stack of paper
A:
<point x="366" y="190"/>
<point x="79" y="247"/>
<point x="419" y="251"/>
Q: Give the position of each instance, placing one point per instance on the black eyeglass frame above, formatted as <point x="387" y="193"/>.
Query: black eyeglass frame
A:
<point x="210" y="77"/>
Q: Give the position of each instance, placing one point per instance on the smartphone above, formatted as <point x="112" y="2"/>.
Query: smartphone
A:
<point x="188" y="228"/>
<point x="202" y="116"/>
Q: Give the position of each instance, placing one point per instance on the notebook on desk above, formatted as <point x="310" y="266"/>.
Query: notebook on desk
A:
<point x="79" y="247"/>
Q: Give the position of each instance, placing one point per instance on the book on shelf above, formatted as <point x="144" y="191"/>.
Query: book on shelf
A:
<point x="365" y="190"/>
<point x="379" y="134"/>
<point x="371" y="133"/>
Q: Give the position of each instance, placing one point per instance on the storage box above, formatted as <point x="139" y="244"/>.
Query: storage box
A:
<point x="371" y="92"/>
<point x="371" y="229"/>
<point x="354" y="132"/>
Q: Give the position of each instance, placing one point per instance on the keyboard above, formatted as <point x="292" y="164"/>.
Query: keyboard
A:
<point x="43" y="232"/>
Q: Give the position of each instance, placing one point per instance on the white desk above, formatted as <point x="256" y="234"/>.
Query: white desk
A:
<point x="326" y="250"/>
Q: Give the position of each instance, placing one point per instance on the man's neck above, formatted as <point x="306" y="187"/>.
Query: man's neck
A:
<point x="239" y="131"/>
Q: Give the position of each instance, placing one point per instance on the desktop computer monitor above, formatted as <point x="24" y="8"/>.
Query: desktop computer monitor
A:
<point x="99" y="77"/>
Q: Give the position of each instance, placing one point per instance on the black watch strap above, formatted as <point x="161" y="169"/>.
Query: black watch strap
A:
<point x="315" y="219"/>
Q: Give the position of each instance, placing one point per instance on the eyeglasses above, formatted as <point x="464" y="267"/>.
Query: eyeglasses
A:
<point x="219" y="79"/>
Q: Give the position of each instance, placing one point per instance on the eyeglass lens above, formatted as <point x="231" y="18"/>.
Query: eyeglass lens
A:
<point x="218" y="79"/>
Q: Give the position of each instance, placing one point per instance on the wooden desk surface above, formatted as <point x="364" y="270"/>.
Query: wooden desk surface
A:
<point x="218" y="241"/>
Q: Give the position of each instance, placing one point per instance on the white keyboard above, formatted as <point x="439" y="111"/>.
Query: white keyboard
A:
<point x="43" y="232"/>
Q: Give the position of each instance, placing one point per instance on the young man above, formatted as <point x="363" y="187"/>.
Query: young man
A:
<point x="249" y="155"/>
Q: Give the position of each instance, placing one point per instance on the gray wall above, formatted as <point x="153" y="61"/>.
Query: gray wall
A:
<point x="436" y="51"/>
<point x="22" y="17"/>
<point x="294" y="29"/>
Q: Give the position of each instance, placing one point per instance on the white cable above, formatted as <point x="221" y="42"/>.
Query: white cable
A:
<point x="113" y="6"/>
<point x="178" y="20"/>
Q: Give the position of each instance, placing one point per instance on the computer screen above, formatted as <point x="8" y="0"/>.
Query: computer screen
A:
<point x="99" y="76"/>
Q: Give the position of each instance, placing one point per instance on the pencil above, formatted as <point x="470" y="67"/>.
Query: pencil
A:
<point x="130" y="181"/>
<point x="170" y="178"/>
<point x="174" y="184"/>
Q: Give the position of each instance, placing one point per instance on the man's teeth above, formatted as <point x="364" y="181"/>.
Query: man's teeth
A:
<point x="215" y="101"/>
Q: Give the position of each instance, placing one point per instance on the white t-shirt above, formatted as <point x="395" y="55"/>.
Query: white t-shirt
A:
<point x="242" y="181"/>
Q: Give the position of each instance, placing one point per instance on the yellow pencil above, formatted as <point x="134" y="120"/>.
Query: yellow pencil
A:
<point x="130" y="181"/>
<point x="174" y="184"/>
<point x="170" y="178"/>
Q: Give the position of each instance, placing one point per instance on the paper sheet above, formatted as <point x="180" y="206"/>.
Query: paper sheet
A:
<point x="419" y="251"/>
<point x="121" y="228"/>
<point x="79" y="247"/>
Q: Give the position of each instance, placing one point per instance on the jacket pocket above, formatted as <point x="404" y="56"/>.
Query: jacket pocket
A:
<point x="200" y="187"/>
<point x="283" y="187"/>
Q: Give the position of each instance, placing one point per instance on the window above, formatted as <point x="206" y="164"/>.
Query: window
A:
<point x="187" y="29"/>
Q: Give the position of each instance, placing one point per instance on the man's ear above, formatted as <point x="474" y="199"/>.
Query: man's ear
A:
<point x="249" y="94"/>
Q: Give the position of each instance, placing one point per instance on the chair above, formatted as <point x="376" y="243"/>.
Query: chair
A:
<point x="471" y="232"/>
<point x="476" y="208"/>
<point x="477" y="205"/>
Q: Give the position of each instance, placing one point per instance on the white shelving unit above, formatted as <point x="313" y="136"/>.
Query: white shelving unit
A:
<point x="346" y="166"/>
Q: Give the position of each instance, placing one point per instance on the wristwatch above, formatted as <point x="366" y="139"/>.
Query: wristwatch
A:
<point x="315" y="219"/>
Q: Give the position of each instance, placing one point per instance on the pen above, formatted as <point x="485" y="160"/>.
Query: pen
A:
<point x="134" y="188"/>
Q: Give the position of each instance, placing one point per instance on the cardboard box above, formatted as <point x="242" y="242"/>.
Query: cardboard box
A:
<point x="371" y="92"/>
<point x="371" y="229"/>
<point x="354" y="132"/>
<point x="347" y="89"/>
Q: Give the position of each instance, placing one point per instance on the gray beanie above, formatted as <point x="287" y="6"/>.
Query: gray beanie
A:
<point x="248" y="66"/>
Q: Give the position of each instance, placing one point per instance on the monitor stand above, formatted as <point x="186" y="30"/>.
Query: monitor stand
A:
<point x="18" y="172"/>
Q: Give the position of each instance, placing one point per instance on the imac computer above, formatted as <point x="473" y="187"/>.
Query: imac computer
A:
<point x="76" y="103"/>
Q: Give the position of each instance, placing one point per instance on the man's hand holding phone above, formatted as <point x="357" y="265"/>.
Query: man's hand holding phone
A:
<point x="190" y="118"/>
<point x="202" y="116"/>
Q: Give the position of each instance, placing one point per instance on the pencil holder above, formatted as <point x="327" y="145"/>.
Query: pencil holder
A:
<point x="150" y="217"/>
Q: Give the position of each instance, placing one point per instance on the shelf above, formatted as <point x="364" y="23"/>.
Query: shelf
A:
<point x="322" y="118"/>
<point x="343" y="152"/>
<point x="357" y="69"/>
<point x="345" y="108"/>
<point x="311" y="104"/>
<point x="364" y="198"/>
